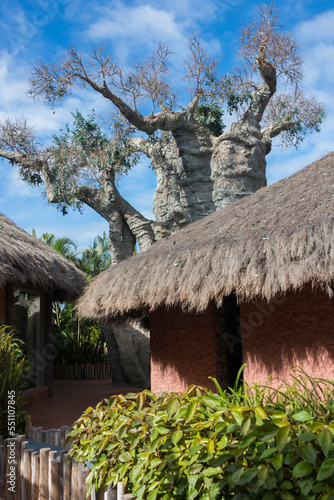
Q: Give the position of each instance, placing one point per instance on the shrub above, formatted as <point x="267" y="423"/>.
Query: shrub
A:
<point x="77" y="340"/>
<point x="13" y="369"/>
<point x="303" y="392"/>
<point x="198" y="445"/>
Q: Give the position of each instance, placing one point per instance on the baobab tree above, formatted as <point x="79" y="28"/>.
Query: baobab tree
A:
<point x="199" y="166"/>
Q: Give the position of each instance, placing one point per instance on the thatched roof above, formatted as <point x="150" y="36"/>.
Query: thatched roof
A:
<point x="278" y="239"/>
<point x="28" y="262"/>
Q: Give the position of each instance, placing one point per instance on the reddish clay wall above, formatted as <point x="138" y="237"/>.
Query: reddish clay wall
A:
<point x="183" y="350"/>
<point x="3" y="305"/>
<point x="296" y="329"/>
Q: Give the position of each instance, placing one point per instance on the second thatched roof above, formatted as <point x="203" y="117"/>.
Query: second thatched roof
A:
<point x="28" y="262"/>
<point x="278" y="239"/>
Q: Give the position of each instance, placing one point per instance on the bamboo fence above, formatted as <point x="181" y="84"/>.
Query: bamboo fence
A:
<point x="81" y="371"/>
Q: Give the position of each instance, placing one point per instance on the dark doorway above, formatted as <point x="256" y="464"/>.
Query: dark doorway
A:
<point x="233" y="338"/>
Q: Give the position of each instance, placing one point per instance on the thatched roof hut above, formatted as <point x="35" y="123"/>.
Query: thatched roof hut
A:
<point x="32" y="275"/>
<point x="27" y="261"/>
<point x="277" y="240"/>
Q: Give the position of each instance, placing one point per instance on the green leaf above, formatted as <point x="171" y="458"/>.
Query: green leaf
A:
<point x="326" y="469"/>
<point x="177" y="435"/>
<point x="302" y="416"/>
<point x="302" y="469"/>
<point x="306" y="485"/>
<point x="222" y="458"/>
<point x="309" y="454"/>
<point x="247" y="476"/>
<point x="135" y="471"/>
<point x="233" y="478"/>
<point x="307" y="436"/>
<point x="286" y="495"/>
<point x="140" y="492"/>
<point x="190" y="411"/>
<point x="211" y="471"/>
<point x="245" y="425"/>
<point x="171" y="407"/>
<point x="325" y="440"/>
<point x="277" y="461"/>
<point x="282" y="437"/>
<point x="195" y="448"/>
<point x="247" y="440"/>
<point x="211" y="446"/>
<point x="286" y="485"/>
<point x="162" y="429"/>
<point x="135" y="440"/>
<point x="155" y="462"/>
<point x="263" y="474"/>
<point x="267" y="453"/>
<point x="153" y="494"/>
<point x="125" y="457"/>
<point x="266" y="431"/>
<point x="260" y="412"/>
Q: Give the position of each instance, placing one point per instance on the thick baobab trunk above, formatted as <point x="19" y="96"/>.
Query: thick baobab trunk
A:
<point x="202" y="173"/>
<point x="129" y="354"/>
<point x="238" y="164"/>
<point x="184" y="187"/>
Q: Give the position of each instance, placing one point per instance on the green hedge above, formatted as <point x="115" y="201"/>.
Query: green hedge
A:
<point x="194" y="445"/>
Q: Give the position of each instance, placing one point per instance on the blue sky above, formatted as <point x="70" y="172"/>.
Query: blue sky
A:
<point x="44" y="29"/>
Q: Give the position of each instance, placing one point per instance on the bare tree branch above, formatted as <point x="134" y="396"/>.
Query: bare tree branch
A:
<point x="292" y="117"/>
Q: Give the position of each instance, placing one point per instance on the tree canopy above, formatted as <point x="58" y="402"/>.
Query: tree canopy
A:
<point x="199" y="166"/>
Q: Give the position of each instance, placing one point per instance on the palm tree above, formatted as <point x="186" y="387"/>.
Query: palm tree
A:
<point x="95" y="258"/>
<point x="78" y="339"/>
<point x="64" y="245"/>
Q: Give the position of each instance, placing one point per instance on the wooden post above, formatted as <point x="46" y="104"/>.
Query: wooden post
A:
<point x="57" y="437"/>
<point x="18" y="453"/>
<point x="35" y="475"/>
<point x="44" y="473"/>
<point x="62" y="435"/>
<point x="55" y="479"/>
<point x="120" y="491"/>
<point x="74" y="481"/>
<point x="39" y="434"/>
<point x="110" y="493"/>
<point x="43" y="437"/>
<point x="67" y="474"/>
<point x="83" y="487"/>
<point x="26" y="467"/>
<point x="24" y="446"/>
<point x="53" y="436"/>
<point x="47" y="437"/>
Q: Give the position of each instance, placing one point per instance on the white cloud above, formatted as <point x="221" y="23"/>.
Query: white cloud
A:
<point x="15" y="186"/>
<point x="137" y="28"/>
<point x="318" y="29"/>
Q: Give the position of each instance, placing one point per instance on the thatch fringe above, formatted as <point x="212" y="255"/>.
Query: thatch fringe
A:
<point x="28" y="262"/>
<point x="281" y="238"/>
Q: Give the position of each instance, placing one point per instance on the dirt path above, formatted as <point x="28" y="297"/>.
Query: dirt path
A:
<point x="70" y="400"/>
